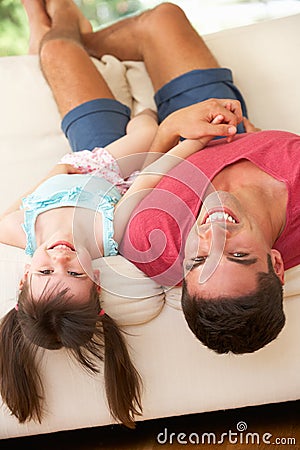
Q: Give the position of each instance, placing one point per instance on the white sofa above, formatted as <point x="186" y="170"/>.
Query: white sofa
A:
<point x="180" y="375"/>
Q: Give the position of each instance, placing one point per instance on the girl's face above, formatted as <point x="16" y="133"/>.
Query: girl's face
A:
<point x="61" y="265"/>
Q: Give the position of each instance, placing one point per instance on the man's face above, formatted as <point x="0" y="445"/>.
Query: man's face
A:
<point x="225" y="249"/>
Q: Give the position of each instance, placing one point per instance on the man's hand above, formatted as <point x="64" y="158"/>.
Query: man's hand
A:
<point x="208" y="119"/>
<point x="195" y="121"/>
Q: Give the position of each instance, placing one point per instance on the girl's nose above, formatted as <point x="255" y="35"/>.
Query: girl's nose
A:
<point x="61" y="256"/>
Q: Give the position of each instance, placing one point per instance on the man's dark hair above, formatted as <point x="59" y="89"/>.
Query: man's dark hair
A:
<point x="237" y="324"/>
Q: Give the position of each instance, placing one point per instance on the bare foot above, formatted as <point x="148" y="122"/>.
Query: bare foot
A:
<point x="39" y="23"/>
<point x="67" y="8"/>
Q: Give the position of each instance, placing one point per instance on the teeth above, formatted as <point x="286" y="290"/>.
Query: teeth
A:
<point x="220" y="216"/>
<point x="62" y="246"/>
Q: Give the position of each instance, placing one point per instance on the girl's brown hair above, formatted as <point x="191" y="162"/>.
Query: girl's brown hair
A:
<point x="52" y="322"/>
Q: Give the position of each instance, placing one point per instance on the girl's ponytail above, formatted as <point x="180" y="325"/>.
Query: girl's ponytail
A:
<point x="20" y="384"/>
<point x="122" y="381"/>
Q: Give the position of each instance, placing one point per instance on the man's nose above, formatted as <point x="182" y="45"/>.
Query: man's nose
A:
<point x="214" y="236"/>
<point x="214" y="230"/>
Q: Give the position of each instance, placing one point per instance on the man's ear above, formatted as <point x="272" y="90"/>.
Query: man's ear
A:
<point x="24" y="277"/>
<point x="278" y="266"/>
<point x="96" y="273"/>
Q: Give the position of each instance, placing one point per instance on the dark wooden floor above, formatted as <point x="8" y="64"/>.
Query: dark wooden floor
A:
<point x="279" y="424"/>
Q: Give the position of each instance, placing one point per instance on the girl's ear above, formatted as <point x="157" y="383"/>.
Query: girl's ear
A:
<point x="96" y="273"/>
<point x="25" y="276"/>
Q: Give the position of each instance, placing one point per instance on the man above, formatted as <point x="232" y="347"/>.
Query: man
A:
<point x="246" y="232"/>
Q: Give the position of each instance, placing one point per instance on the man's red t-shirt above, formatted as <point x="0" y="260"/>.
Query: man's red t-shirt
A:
<point x="156" y="233"/>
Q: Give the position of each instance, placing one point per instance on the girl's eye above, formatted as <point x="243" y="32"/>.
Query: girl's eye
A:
<point x="46" y="271"/>
<point x="240" y="254"/>
<point x="74" y="274"/>
<point x="199" y="259"/>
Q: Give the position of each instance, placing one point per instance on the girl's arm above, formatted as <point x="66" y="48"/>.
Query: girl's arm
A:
<point x="211" y="115"/>
<point x="147" y="180"/>
<point x="198" y="123"/>
<point x="12" y="219"/>
<point x="130" y="150"/>
<point x="58" y="169"/>
<point x="207" y="120"/>
<point x="194" y="122"/>
<point x="140" y="134"/>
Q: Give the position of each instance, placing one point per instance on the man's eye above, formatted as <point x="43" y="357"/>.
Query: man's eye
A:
<point x="46" y="271"/>
<point x="74" y="274"/>
<point x="240" y="254"/>
<point x="195" y="262"/>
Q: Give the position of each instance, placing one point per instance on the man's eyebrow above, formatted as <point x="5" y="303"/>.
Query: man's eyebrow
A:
<point x="245" y="262"/>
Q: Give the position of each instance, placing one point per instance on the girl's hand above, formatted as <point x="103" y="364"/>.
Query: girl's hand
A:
<point x="63" y="169"/>
<point x="249" y="127"/>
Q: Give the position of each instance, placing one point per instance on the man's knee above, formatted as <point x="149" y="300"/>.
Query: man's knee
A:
<point x="169" y="8"/>
<point x="164" y="13"/>
<point x="53" y="49"/>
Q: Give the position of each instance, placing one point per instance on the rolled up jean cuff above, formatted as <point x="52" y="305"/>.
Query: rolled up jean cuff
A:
<point x="95" y="123"/>
<point x="197" y="86"/>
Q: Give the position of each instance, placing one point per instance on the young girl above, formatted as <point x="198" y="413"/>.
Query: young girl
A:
<point x="67" y="221"/>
